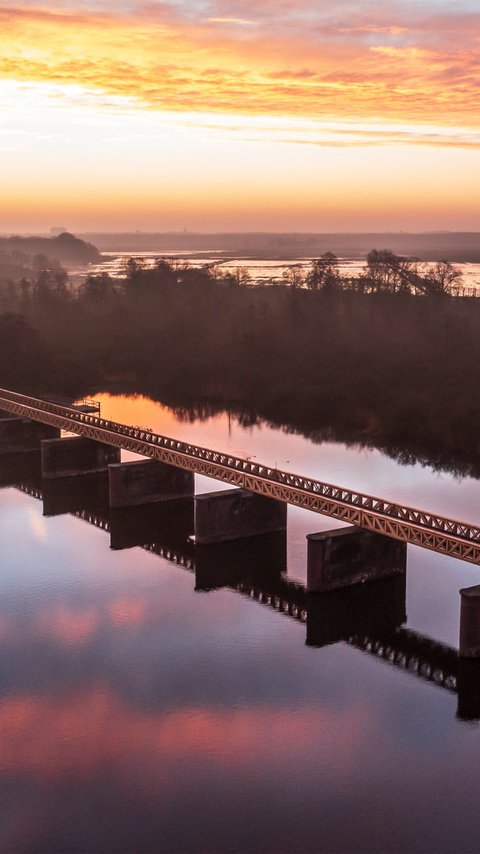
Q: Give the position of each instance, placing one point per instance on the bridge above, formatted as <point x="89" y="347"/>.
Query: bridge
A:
<point x="407" y="524"/>
<point x="369" y="619"/>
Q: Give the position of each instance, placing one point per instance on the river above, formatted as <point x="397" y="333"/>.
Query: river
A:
<point x="265" y="271"/>
<point x="142" y="710"/>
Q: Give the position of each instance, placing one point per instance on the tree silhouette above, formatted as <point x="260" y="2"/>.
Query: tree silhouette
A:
<point x="324" y="273"/>
<point x="443" y="278"/>
<point x="293" y="277"/>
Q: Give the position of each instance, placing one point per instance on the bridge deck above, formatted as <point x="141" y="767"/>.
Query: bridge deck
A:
<point x="419" y="527"/>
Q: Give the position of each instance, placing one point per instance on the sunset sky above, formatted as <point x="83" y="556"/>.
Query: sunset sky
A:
<point x="266" y="115"/>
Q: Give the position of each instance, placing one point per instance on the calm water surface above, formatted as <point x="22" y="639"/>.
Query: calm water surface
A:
<point x="142" y="710"/>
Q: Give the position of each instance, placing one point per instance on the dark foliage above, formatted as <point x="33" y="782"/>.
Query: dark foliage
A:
<point x="65" y="248"/>
<point x="382" y="366"/>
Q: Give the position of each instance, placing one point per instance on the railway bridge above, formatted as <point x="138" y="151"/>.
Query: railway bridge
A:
<point x="407" y="524"/>
<point x="373" y="547"/>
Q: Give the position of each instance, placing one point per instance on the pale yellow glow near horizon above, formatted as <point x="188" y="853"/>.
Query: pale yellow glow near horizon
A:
<point x="120" y="119"/>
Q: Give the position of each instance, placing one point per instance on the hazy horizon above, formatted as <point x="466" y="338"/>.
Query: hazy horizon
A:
<point x="182" y="232"/>
<point x="459" y="247"/>
<point x="266" y="116"/>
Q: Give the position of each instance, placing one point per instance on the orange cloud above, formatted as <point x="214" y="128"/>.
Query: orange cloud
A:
<point x="178" y="120"/>
<point x="163" y="61"/>
<point x="241" y="21"/>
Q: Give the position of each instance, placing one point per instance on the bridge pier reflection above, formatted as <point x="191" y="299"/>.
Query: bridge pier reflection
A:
<point x="70" y="494"/>
<point x="168" y="522"/>
<point x="365" y="609"/>
<point x="260" y="560"/>
<point x="468" y="689"/>
<point x="20" y="466"/>
<point x="19" y="435"/>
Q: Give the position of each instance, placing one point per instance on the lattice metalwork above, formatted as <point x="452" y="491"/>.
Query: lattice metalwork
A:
<point x="411" y="525"/>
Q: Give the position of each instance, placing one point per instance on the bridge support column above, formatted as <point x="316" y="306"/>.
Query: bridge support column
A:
<point x="75" y="455"/>
<point x="236" y="513"/>
<point x="470" y="622"/>
<point x="147" y="481"/>
<point x="348" y="556"/>
<point x="19" y="435"/>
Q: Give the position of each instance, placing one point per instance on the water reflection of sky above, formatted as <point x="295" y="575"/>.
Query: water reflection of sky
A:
<point x="137" y="714"/>
<point x="364" y="469"/>
<point x="261" y="271"/>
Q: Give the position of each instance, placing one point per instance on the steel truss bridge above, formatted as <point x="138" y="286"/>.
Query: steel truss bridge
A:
<point x="428" y="530"/>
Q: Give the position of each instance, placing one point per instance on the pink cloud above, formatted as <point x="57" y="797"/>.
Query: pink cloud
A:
<point x="385" y="61"/>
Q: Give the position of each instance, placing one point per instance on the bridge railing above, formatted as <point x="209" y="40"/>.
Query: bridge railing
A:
<point x="408" y="523"/>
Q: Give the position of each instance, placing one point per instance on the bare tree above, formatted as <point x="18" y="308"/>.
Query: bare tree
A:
<point x="293" y="277"/>
<point x="132" y="266"/>
<point x="443" y="278"/>
<point x="324" y="273"/>
<point x="387" y="272"/>
<point x="239" y="277"/>
<point x="383" y="271"/>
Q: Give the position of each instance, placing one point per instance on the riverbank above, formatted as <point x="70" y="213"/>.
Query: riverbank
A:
<point x="394" y="371"/>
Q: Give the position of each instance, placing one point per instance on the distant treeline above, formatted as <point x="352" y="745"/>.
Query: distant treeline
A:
<point x="391" y="361"/>
<point x="429" y="246"/>
<point x="19" y="254"/>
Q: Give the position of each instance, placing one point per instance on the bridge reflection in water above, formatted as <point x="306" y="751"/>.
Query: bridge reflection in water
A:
<point x="369" y="617"/>
<point x="102" y="439"/>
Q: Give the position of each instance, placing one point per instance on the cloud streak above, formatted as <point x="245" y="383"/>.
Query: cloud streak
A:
<point x="403" y="62"/>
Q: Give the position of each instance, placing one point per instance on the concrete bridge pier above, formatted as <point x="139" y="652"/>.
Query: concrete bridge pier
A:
<point x="349" y="556"/>
<point x="19" y="435"/>
<point x="469" y="646"/>
<point x="147" y="481"/>
<point x="75" y="455"/>
<point x="233" y="514"/>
